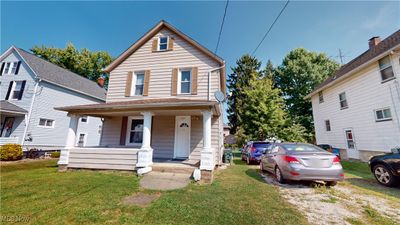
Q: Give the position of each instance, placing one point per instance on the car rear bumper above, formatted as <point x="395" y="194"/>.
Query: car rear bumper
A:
<point x="334" y="173"/>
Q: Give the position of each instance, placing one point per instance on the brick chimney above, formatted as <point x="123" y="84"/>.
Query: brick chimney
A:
<point x="374" y="41"/>
<point x="100" y="81"/>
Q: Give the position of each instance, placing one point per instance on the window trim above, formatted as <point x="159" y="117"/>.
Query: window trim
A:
<point x="136" y="73"/>
<point x="326" y="127"/>
<point x="128" y="131"/>
<point x="340" y="101"/>
<point x="179" y="91"/>
<point x="11" y="97"/>
<point x="159" y="43"/>
<point x="383" y="119"/>
<point x="383" y="68"/>
<point x="49" y="127"/>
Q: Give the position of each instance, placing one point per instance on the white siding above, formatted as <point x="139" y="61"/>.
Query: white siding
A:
<point x="47" y="97"/>
<point x="161" y="64"/>
<point x="365" y="93"/>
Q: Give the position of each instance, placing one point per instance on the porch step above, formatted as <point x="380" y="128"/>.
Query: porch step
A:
<point x="174" y="168"/>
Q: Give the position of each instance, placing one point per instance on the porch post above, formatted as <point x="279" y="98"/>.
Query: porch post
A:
<point x="207" y="159"/>
<point x="145" y="154"/>
<point x="70" y="142"/>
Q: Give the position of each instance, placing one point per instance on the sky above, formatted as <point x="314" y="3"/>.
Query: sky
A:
<point x="113" y="26"/>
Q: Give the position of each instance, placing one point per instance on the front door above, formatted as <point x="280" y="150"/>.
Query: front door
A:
<point x="182" y="137"/>
<point x="6" y="129"/>
<point x="352" y="152"/>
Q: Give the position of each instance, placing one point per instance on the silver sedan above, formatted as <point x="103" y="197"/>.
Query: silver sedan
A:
<point x="301" y="161"/>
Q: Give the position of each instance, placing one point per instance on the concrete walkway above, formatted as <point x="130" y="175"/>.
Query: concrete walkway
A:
<point x="164" y="181"/>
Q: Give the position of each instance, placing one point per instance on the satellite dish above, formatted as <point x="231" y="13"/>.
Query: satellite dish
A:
<point x="219" y="95"/>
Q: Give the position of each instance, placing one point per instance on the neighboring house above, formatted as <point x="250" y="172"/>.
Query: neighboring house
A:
<point x="226" y="130"/>
<point x="357" y="109"/>
<point x="30" y="89"/>
<point x="160" y="106"/>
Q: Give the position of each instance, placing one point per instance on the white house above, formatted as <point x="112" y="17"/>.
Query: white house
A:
<point x="357" y="109"/>
<point x="30" y="89"/>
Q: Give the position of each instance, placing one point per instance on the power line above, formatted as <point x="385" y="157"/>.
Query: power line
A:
<point x="222" y="25"/>
<point x="272" y="25"/>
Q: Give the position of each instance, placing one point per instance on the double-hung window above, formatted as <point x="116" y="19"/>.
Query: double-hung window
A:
<point x="328" y="125"/>
<point x="383" y="114"/>
<point x="185" y="80"/>
<point x="320" y="97"/>
<point x="386" y="69"/>
<point x="16" y="90"/>
<point x="162" y="43"/>
<point x="343" y="100"/>
<point x="7" y="68"/>
<point x="139" y="83"/>
<point x="46" y="123"/>
<point x="10" y="68"/>
<point x="135" y="131"/>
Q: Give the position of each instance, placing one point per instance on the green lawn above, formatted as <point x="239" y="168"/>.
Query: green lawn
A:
<point x="37" y="191"/>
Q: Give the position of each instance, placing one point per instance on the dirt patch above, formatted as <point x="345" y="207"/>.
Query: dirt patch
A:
<point x="141" y="199"/>
<point x="335" y="205"/>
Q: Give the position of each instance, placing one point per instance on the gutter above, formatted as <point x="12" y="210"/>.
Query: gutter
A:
<point x="351" y="72"/>
<point x="28" y="117"/>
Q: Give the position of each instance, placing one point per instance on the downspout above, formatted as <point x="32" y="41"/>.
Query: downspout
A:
<point x="209" y="80"/>
<point x="28" y="118"/>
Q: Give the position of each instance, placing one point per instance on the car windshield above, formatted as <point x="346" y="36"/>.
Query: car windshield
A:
<point x="261" y="145"/>
<point x="302" y="148"/>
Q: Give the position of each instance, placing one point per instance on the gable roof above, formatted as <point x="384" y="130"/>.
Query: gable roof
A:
<point x="384" y="46"/>
<point x="54" y="74"/>
<point x="153" y="31"/>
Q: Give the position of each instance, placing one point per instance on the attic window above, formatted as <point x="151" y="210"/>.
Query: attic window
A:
<point x="162" y="43"/>
<point x="386" y="69"/>
<point x="321" y="97"/>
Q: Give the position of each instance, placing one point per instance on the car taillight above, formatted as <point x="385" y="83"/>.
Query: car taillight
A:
<point x="336" y="160"/>
<point x="253" y="149"/>
<point x="290" y="159"/>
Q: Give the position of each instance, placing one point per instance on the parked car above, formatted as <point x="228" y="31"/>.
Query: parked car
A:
<point x="386" y="168"/>
<point x="253" y="151"/>
<point x="301" y="161"/>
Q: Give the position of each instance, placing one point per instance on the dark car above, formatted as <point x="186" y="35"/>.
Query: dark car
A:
<point x="386" y="168"/>
<point x="253" y="151"/>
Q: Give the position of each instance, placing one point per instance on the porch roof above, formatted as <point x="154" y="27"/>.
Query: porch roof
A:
<point x="159" y="104"/>
<point x="8" y="108"/>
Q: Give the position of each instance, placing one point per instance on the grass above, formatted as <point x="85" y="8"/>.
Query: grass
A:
<point x="36" y="190"/>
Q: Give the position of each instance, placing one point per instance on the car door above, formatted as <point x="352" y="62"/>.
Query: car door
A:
<point x="264" y="156"/>
<point x="270" y="158"/>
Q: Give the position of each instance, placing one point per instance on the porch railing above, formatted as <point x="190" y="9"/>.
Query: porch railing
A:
<point x="8" y="140"/>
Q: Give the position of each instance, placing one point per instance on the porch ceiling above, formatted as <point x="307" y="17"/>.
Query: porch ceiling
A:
<point x="166" y="106"/>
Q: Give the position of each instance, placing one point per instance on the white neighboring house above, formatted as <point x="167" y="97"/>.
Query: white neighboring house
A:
<point x="357" y="109"/>
<point x="30" y="89"/>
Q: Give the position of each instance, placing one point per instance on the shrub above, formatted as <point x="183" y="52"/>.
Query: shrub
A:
<point x="55" y="155"/>
<point x="33" y="153"/>
<point x="9" y="152"/>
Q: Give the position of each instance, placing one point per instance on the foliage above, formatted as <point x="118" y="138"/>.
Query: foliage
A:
<point x="55" y="155"/>
<point x="84" y="62"/>
<point x="10" y="152"/>
<point x="300" y="72"/>
<point x="33" y="153"/>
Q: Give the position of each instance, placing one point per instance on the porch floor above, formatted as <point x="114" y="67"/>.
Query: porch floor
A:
<point x="175" y="166"/>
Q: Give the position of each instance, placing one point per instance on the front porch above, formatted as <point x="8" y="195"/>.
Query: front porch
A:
<point x="12" y="123"/>
<point x="163" y="139"/>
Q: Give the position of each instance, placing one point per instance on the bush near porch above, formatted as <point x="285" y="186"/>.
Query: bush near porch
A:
<point x="10" y="152"/>
<point x="36" y="191"/>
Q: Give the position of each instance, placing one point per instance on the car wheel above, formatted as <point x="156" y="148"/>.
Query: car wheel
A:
<point x="331" y="183"/>
<point x="383" y="175"/>
<point x="279" y="176"/>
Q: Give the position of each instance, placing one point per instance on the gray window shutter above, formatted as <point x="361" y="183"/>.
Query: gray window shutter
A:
<point x="2" y="68"/>
<point x="124" y="126"/>
<point x="18" y="65"/>
<point x="22" y="90"/>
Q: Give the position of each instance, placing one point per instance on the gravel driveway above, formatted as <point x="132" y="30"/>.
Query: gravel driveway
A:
<point x="342" y="204"/>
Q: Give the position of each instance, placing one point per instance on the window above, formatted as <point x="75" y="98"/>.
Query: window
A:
<point x="320" y="97"/>
<point x="16" y="90"/>
<point x="81" y="140"/>
<point x="162" y="43"/>
<point x="84" y="119"/>
<point x="350" y="139"/>
<point x="328" y="125"/>
<point x="386" y="69"/>
<point x="46" y="123"/>
<point x="135" y="131"/>
<point x="185" y="81"/>
<point x="383" y="114"/>
<point x="139" y="84"/>
<point x="14" y="67"/>
<point x="343" y="101"/>
<point x="11" y="68"/>
<point x="7" y="68"/>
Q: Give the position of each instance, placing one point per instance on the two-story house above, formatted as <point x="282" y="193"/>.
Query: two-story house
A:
<point x="30" y="89"/>
<point x="357" y="109"/>
<point x="160" y="107"/>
